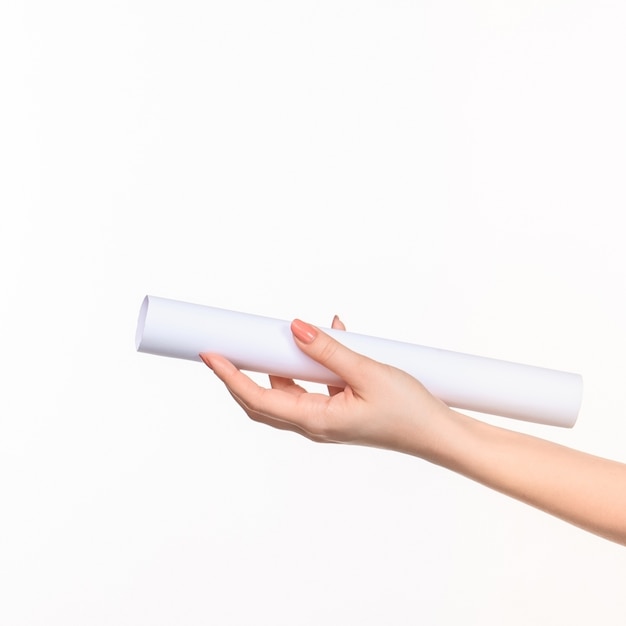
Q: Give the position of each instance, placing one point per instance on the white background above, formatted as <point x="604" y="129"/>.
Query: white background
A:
<point x="445" y="173"/>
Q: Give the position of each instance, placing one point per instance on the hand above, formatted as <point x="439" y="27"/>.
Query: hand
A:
<point x="384" y="407"/>
<point x="380" y="406"/>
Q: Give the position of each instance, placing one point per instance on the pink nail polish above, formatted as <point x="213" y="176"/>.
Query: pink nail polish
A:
<point x="206" y="361"/>
<point x="303" y="332"/>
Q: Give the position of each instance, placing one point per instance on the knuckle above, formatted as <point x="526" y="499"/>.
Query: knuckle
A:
<point x="327" y="351"/>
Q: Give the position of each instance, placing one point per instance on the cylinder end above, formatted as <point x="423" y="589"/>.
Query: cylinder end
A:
<point x="141" y="322"/>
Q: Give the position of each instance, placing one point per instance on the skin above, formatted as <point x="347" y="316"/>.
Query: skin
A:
<point x="384" y="407"/>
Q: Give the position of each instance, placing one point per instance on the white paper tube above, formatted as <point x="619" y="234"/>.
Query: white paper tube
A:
<point x="263" y="344"/>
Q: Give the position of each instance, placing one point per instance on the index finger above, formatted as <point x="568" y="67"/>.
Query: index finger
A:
<point x="298" y="409"/>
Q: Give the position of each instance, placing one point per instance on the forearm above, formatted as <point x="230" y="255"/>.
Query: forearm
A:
<point x="582" y="489"/>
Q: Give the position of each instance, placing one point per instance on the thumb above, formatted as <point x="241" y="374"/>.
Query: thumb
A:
<point x="347" y="364"/>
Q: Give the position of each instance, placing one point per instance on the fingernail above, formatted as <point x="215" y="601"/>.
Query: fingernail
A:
<point x="303" y="332"/>
<point x="336" y="320"/>
<point x="206" y="361"/>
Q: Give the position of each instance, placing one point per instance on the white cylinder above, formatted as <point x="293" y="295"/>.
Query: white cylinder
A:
<point x="263" y="344"/>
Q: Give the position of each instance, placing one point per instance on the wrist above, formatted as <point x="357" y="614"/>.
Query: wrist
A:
<point x="439" y="436"/>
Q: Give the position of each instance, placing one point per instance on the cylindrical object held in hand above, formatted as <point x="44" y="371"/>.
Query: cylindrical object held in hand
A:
<point x="263" y="344"/>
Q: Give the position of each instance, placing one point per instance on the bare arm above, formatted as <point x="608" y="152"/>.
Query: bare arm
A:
<point x="384" y="407"/>
<point x="582" y="489"/>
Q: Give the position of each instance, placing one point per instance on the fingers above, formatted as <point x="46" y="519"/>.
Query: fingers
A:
<point x="288" y="406"/>
<point x="270" y="421"/>
<point x="235" y="381"/>
<point x="337" y="324"/>
<point x="286" y="402"/>
<point x="274" y="423"/>
<point x="355" y="369"/>
<point x="285" y="384"/>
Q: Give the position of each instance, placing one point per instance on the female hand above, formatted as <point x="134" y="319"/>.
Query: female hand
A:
<point x="384" y="407"/>
<point x="379" y="406"/>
